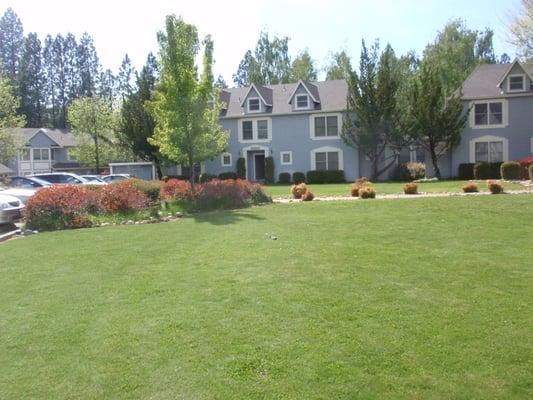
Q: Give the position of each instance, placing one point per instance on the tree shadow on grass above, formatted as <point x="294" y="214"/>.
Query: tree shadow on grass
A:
<point x="226" y="217"/>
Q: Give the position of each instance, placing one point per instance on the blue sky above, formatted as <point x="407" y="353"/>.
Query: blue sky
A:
<point x="120" y="27"/>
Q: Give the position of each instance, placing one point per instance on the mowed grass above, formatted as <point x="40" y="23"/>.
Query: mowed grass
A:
<point x="343" y="189"/>
<point x="375" y="299"/>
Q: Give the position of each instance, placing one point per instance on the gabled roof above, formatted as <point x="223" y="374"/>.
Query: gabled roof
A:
<point x="62" y="137"/>
<point x="511" y="66"/>
<point x="311" y="89"/>
<point x="264" y="93"/>
<point x="332" y="96"/>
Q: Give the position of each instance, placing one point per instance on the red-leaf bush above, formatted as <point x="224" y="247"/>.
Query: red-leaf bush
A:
<point x="526" y="163"/>
<point x="470" y="187"/>
<point x="177" y="190"/>
<point x="495" y="187"/>
<point x="308" y="196"/>
<point x="367" y="192"/>
<point x="60" y="207"/>
<point x="298" y="191"/>
<point x="120" y="197"/>
<point x="530" y="171"/>
<point x="358" y="184"/>
<point x="410" y="188"/>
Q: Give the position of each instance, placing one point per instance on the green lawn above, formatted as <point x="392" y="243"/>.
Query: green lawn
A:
<point x="343" y="189"/>
<point x="391" y="299"/>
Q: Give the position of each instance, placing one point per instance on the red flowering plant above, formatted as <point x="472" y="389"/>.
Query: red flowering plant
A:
<point x="120" y="197"/>
<point x="175" y="189"/>
<point x="525" y="163"/>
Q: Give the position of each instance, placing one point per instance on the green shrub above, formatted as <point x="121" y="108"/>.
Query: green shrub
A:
<point x="241" y="168"/>
<point x="495" y="170"/>
<point x="206" y="177"/>
<point x="466" y="171"/>
<point x="150" y="188"/>
<point x="400" y="173"/>
<point x="258" y="194"/>
<point x="482" y="170"/>
<point x="298" y="177"/>
<point x="269" y="170"/>
<point x="227" y="175"/>
<point x="325" y="176"/>
<point x="511" y="170"/>
<point x="284" y="177"/>
<point x="530" y="170"/>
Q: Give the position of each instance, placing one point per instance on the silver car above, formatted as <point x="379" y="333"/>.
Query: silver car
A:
<point x="10" y="209"/>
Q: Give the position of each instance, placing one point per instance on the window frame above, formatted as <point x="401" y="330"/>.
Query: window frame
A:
<point x="297" y="107"/>
<point x="249" y="110"/>
<point x="312" y="130"/>
<point x="488" y="139"/>
<point x="222" y="157"/>
<point x="487" y="103"/>
<point x="40" y="151"/>
<point x="328" y="149"/>
<point x="281" y="154"/>
<point x="255" y="130"/>
<point x="523" y="88"/>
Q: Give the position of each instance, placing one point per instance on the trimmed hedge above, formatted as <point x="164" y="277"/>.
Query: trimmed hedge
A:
<point x="325" y="176"/>
<point x="484" y="170"/>
<point x="298" y="177"/>
<point x="511" y="170"/>
<point x="224" y="176"/>
<point x="284" y="177"/>
<point x="206" y="178"/>
<point x="241" y="168"/>
<point x="466" y="171"/>
<point x="269" y="170"/>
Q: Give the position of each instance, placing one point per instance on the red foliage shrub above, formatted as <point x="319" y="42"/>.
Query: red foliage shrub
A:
<point x="470" y="187"/>
<point x="175" y="189"/>
<point x="358" y="184"/>
<point x="120" y="197"/>
<point x="526" y="163"/>
<point x="298" y="191"/>
<point x="367" y="192"/>
<point x="60" y="207"/>
<point x="217" y="194"/>
<point x="308" y="196"/>
<point x="495" y="187"/>
<point x="410" y="188"/>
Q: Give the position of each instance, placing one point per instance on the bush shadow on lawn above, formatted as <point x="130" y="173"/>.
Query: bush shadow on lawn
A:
<point x="225" y="217"/>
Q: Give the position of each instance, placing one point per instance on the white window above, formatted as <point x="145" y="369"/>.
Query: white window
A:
<point x="255" y="130"/>
<point x="254" y="105"/>
<point x="516" y="83"/>
<point x="327" y="158"/>
<point x="302" y="102"/>
<point x="285" y="157"/>
<point x="489" y="149"/>
<point x="488" y="114"/>
<point x="25" y="154"/>
<point x="226" y="159"/>
<point x="325" y="126"/>
<point x="41" y="154"/>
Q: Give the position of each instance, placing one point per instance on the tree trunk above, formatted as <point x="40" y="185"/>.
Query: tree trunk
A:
<point x="96" y="155"/>
<point x="158" y="171"/>
<point x="434" y="161"/>
<point x="191" y="176"/>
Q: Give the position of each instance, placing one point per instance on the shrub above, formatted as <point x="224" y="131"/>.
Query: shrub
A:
<point x="176" y="189"/>
<point x="526" y="163"/>
<point x="60" y="207"/>
<point x="167" y="178"/>
<point x="358" y="184"/>
<point x="151" y="189"/>
<point x="308" y="196"/>
<point x="325" y="176"/>
<point x="410" y="188"/>
<point x="495" y="187"/>
<point x="530" y="170"/>
<point x="258" y="195"/>
<point x="511" y="170"/>
<point x="482" y="170"/>
<point x="466" y="171"/>
<point x="470" y="187"/>
<point x="222" y="194"/>
<point x="269" y="170"/>
<point x="284" y="177"/>
<point x="120" y="197"/>
<point x="227" y="175"/>
<point x="241" y="168"/>
<point x="417" y="170"/>
<point x="298" y="177"/>
<point x="298" y="191"/>
<point x="367" y="192"/>
<point x="400" y="173"/>
<point x="206" y="177"/>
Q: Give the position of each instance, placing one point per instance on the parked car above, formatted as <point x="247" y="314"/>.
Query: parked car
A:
<point x="63" y="178"/>
<point x="23" y="194"/>
<point x="115" y="177"/>
<point x="94" y="179"/>
<point x="25" y="182"/>
<point x="10" y="209"/>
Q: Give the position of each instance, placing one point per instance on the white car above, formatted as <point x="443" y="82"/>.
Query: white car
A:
<point x="10" y="209"/>
<point x="115" y="177"/>
<point x="64" y="178"/>
<point x="94" y="179"/>
<point x="23" y="194"/>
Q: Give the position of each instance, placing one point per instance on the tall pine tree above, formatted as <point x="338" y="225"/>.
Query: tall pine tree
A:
<point x="125" y="77"/>
<point x="31" y="81"/>
<point x="88" y="65"/>
<point x="11" y="45"/>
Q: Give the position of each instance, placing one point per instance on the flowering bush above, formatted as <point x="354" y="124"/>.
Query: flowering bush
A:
<point x="175" y="189"/>
<point x="526" y="163"/>
<point x="367" y="192"/>
<point x="530" y="170"/>
<point x="60" y="207"/>
<point x="470" y="187"/>
<point x="495" y="187"/>
<point x="358" y="184"/>
<point x="308" y="196"/>
<point x="410" y="188"/>
<point x="120" y="197"/>
<point x="298" y="191"/>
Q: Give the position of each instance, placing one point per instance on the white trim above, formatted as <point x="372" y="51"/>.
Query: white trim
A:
<point x="511" y="66"/>
<point x="255" y="139"/>
<point x="489" y="138"/>
<point x="46" y="134"/>
<point x="327" y="149"/>
<point x="281" y="154"/>
<point x="301" y="82"/>
<point x="226" y="154"/>
<point x="258" y="92"/>
<point x="523" y="89"/>
<point x="33" y="149"/>
<point x="505" y="113"/>
<point x="312" y="111"/>
<point x="245" y="150"/>
<point x="308" y="102"/>
<point x="248" y="105"/>
<point x="312" y="126"/>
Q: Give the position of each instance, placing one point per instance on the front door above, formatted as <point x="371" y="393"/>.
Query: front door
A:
<point x="259" y="167"/>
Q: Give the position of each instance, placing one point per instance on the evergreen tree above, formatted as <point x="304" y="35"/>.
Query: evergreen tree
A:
<point x="31" y="81"/>
<point x="11" y="44"/>
<point x="60" y="80"/>
<point x="340" y="67"/>
<point x="88" y="66"/>
<point x="49" y="74"/>
<point x="221" y="83"/>
<point x="126" y="74"/>
<point x="72" y="74"/>
<point x="303" y="67"/>
<point x="107" y="88"/>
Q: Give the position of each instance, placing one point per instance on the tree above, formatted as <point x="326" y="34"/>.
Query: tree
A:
<point x="31" y="81"/>
<point x="50" y="81"/>
<point x="11" y="44"/>
<point x="107" y="88"/>
<point x="186" y="109"/>
<point x="9" y="119"/>
<point x="88" y="66"/>
<point x="126" y="74"/>
<point x="137" y="125"/>
<point x="521" y="31"/>
<point x="221" y="83"/>
<point x="340" y="67"/>
<point x="303" y="67"/>
<point x="435" y="122"/>
<point x="371" y="122"/>
<point x="504" y="59"/>
<point x="457" y="51"/>
<point x="269" y="64"/>
<point x="93" y="124"/>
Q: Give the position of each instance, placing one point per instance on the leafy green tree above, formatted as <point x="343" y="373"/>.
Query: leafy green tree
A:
<point x="340" y="67"/>
<point x="521" y="31"/>
<point x="9" y="119"/>
<point x="371" y="121"/>
<point x="186" y="108"/>
<point x="93" y="124"/>
<point x="435" y="121"/>
<point x="268" y="64"/>
<point x="303" y="67"/>
<point x="11" y="44"/>
<point x="31" y="81"/>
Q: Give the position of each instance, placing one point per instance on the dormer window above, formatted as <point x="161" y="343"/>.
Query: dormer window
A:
<point x="517" y="83"/>
<point x="302" y="102"/>
<point x="254" y="105"/>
